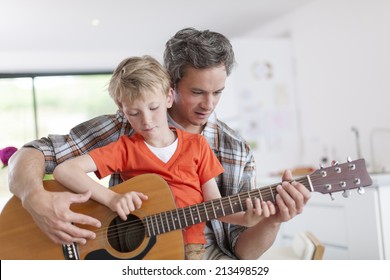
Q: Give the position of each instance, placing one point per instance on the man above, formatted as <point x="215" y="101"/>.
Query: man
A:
<point x="199" y="63"/>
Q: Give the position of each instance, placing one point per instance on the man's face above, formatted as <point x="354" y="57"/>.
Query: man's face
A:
<point x="196" y="96"/>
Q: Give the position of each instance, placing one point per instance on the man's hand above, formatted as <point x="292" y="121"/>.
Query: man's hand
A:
<point x="291" y="199"/>
<point x="257" y="210"/>
<point x="51" y="212"/>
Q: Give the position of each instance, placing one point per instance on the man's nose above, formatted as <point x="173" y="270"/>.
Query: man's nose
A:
<point x="207" y="102"/>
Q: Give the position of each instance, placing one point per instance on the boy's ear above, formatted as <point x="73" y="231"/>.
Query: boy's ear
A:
<point x="170" y="98"/>
<point x="119" y="104"/>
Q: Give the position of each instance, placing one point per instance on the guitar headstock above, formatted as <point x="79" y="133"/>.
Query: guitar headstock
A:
<point x="341" y="177"/>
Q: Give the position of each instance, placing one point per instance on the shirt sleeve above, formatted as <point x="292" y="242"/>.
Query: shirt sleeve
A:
<point x="110" y="159"/>
<point x="81" y="139"/>
<point x="247" y="183"/>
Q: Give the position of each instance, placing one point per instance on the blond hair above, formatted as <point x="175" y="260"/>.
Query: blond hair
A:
<point x="135" y="75"/>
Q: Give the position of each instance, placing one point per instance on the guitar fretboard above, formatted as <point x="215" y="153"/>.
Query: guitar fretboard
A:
<point x="187" y="216"/>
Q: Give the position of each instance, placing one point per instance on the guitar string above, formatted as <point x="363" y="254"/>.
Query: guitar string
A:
<point x="265" y="191"/>
<point x="122" y="228"/>
<point x="202" y="211"/>
<point x="188" y="216"/>
<point x="124" y="225"/>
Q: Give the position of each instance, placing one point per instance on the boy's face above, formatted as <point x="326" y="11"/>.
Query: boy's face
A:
<point x="196" y="96"/>
<point x="148" y="114"/>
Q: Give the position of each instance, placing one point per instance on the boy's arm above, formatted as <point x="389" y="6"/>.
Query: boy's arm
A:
<point x="73" y="174"/>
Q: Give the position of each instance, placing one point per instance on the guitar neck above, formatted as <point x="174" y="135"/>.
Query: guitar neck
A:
<point x="213" y="209"/>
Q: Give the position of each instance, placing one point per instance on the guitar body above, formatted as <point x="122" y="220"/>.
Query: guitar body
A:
<point x="20" y="238"/>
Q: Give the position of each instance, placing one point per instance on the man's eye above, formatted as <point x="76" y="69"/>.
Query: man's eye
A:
<point x="132" y="114"/>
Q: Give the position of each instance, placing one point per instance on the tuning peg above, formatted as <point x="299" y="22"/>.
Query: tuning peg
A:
<point x="349" y="159"/>
<point x="360" y="190"/>
<point x="346" y="193"/>
<point x="334" y="163"/>
<point x="331" y="196"/>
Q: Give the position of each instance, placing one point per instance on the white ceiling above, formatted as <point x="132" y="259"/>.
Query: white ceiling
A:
<point x="131" y="26"/>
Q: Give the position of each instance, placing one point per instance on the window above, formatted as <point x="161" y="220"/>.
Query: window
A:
<point x="33" y="107"/>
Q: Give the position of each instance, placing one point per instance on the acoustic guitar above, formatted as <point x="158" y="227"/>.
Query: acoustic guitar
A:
<point x="154" y="230"/>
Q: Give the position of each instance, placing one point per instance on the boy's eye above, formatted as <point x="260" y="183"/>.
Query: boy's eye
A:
<point x="154" y="108"/>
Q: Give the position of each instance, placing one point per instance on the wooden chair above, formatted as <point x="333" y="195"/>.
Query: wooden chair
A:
<point x="319" y="248"/>
<point x="305" y="246"/>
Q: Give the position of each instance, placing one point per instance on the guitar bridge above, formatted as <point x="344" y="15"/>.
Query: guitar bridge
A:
<point x="70" y="251"/>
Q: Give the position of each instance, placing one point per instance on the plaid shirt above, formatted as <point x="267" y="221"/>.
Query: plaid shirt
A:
<point x="231" y="150"/>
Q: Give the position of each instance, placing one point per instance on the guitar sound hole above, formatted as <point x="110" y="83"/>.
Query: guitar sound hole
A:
<point x="126" y="236"/>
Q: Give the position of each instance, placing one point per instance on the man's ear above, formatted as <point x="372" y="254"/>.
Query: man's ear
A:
<point x="170" y="98"/>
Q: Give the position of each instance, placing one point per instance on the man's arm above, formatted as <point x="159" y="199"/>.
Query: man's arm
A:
<point x="26" y="167"/>
<point x="50" y="210"/>
<point x="290" y="200"/>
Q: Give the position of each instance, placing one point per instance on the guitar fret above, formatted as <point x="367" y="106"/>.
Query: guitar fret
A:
<point x="197" y="210"/>
<point x="212" y="205"/>
<point x="147" y="226"/>
<point x="158" y="229"/>
<point x="236" y="203"/>
<point x="205" y="210"/>
<point x="185" y="217"/>
<point x="192" y="217"/>
<point x="240" y="202"/>
<point x="272" y="194"/>
<point x="162" y="223"/>
<point x="166" y="218"/>
<point x="260" y="196"/>
<point x="173" y="220"/>
<point x="178" y="218"/>
<point x="151" y="223"/>
<point x="223" y="211"/>
<point x="230" y="203"/>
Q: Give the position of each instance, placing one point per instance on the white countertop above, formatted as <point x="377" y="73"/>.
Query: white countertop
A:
<point x="381" y="179"/>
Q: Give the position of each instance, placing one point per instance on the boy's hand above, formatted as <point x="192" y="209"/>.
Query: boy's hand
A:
<point x="125" y="203"/>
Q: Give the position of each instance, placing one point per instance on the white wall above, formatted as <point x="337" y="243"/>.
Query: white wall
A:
<point x="259" y="101"/>
<point x="342" y="63"/>
<point x="342" y="70"/>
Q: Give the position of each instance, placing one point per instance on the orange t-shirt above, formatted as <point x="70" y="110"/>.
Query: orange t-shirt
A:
<point x="192" y="165"/>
